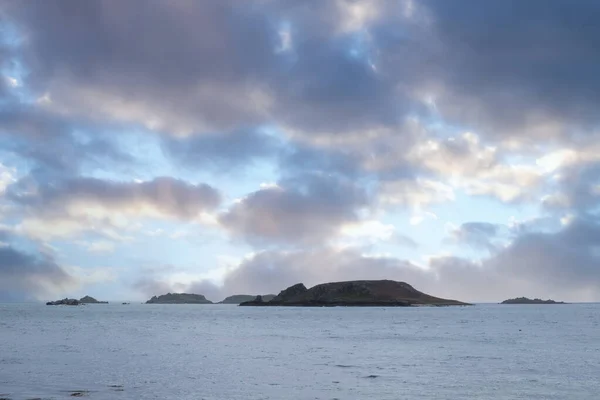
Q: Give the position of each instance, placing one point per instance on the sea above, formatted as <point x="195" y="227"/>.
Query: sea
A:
<point x="225" y="352"/>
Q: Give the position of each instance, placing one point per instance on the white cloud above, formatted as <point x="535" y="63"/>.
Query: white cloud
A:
<point x="91" y="276"/>
<point x="364" y="233"/>
<point x="12" y="82"/>
<point x="464" y="162"/>
<point x="419" y="216"/>
<point x="7" y="176"/>
<point x="52" y="228"/>
<point x="415" y="194"/>
<point x="98" y="246"/>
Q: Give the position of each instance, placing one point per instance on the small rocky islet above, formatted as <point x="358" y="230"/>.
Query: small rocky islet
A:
<point x="64" y="302"/>
<point x="366" y="293"/>
<point x="363" y="293"/>
<point x="179" y="298"/>
<point x="242" y="298"/>
<point x="191" y="298"/>
<point x="525" y="300"/>
<point x="74" y="302"/>
<point x="91" y="300"/>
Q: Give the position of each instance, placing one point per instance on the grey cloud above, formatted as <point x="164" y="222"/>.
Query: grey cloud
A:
<point x="211" y="291"/>
<point x="330" y="80"/>
<point x="576" y="189"/>
<point x="563" y="262"/>
<point x="538" y="71"/>
<point x="203" y="68"/>
<point x="484" y="228"/>
<point x="403" y="240"/>
<point x="300" y="158"/>
<point x="191" y="66"/>
<point x="302" y="210"/>
<point x="222" y="151"/>
<point x="153" y="284"/>
<point x="185" y="65"/>
<point x="56" y="145"/>
<point x="4" y="92"/>
<point x="330" y="90"/>
<point x="170" y="196"/>
<point x="271" y="271"/>
<point x="154" y="287"/>
<point x="561" y="265"/>
<point x="29" y="275"/>
<point x="479" y="235"/>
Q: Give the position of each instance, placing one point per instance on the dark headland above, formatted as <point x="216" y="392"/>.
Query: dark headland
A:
<point x="383" y="293"/>
<point x="179" y="298"/>
<point x="242" y="298"/>
<point x="525" y="300"/>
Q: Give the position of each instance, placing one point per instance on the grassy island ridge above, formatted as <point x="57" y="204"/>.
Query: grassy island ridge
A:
<point x="382" y="293"/>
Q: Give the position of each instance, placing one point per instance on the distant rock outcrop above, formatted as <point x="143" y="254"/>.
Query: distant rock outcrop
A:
<point x="179" y="298"/>
<point x="525" y="300"/>
<point x="91" y="300"/>
<point x="64" y="302"/>
<point x="241" y="298"/>
<point x="383" y="293"/>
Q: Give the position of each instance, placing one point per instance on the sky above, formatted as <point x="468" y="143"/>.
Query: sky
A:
<point x="227" y="147"/>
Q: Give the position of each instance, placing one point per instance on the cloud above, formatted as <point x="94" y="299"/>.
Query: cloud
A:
<point x="4" y="87"/>
<point x="29" y="274"/>
<point x="36" y="135"/>
<point x="368" y="232"/>
<point x="7" y="177"/>
<point x="272" y="271"/>
<point x="479" y="235"/>
<point x="562" y="264"/>
<point x="358" y="107"/>
<point x="162" y="196"/>
<point x="163" y="279"/>
<point x="466" y="163"/>
<point x="302" y="210"/>
<point x="492" y="79"/>
<point x="576" y="189"/>
<point x="98" y="246"/>
<point x="316" y="68"/>
<point x="415" y="194"/>
<point x="222" y="151"/>
<point x="68" y="207"/>
<point x="166" y="83"/>
<point x="405" y="241"/>
<point x="324" y="80"/>
<point x="300" y="158"/>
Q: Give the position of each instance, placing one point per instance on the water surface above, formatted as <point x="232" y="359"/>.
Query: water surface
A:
<point x="226" y="352"/>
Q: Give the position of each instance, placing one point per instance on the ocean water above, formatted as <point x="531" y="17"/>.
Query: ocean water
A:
<point x="227" y="352"/>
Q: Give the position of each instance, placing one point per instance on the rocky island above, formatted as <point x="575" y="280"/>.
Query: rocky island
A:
<point x="64" y="302"/>
<point x="525" y="300"/>
<point x="383" y="293"/>
<point x="242" y="298"/>
<point x="91" y="300"/>
<point x="179" y="298"/>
